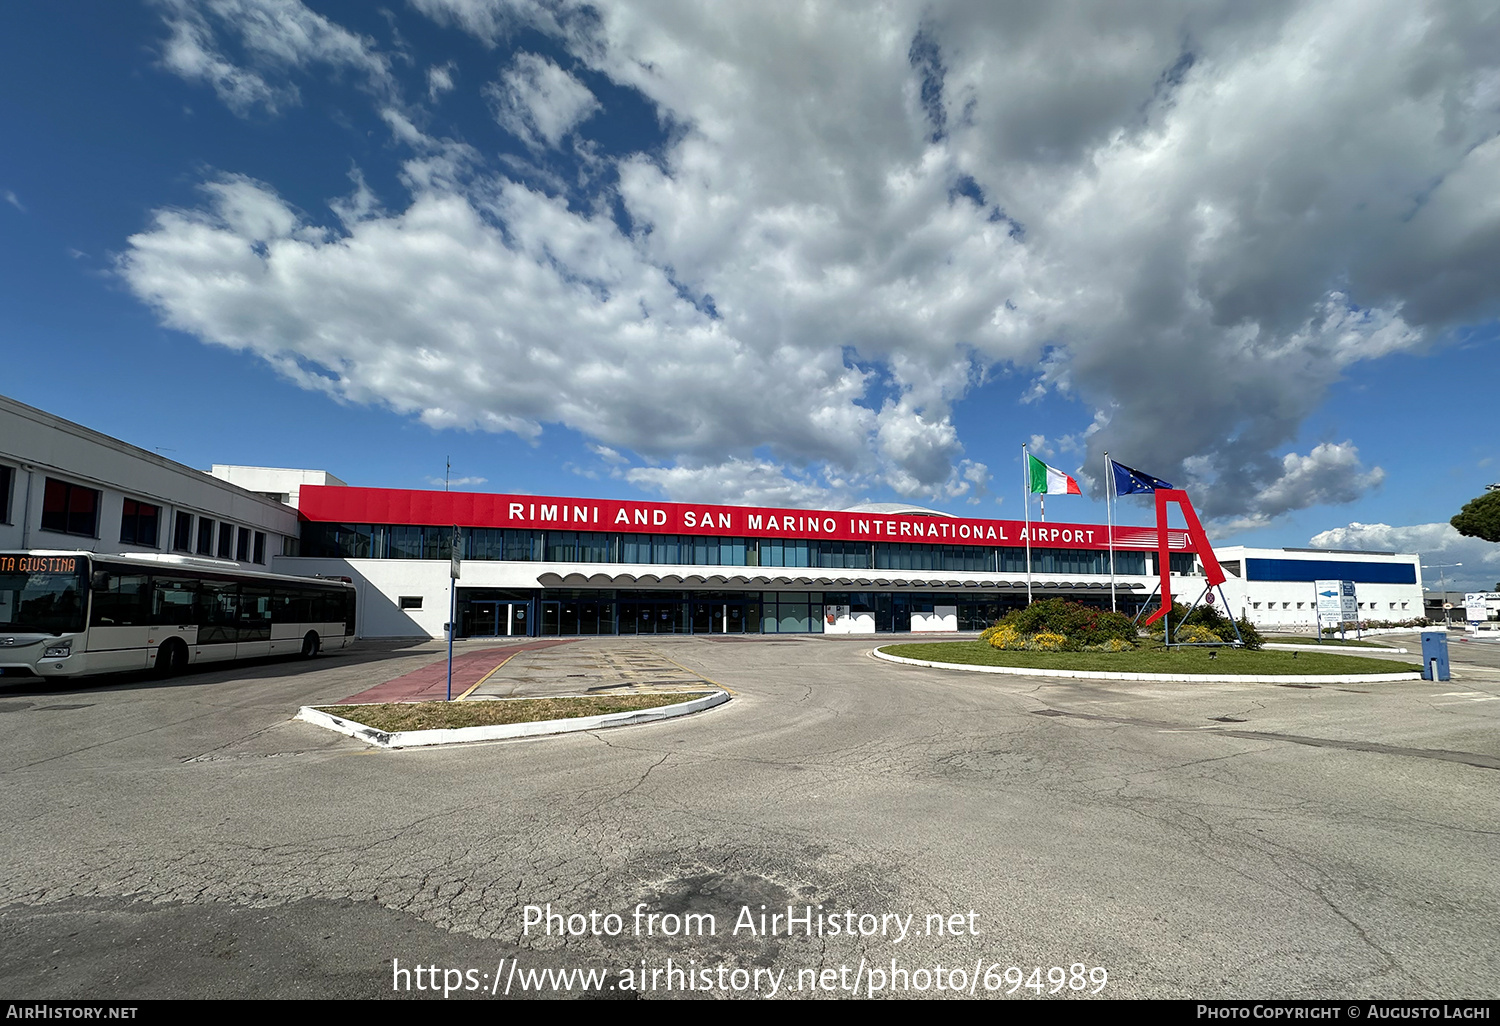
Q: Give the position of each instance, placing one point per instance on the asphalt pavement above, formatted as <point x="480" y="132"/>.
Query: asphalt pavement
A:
<point x="928" y="832"/>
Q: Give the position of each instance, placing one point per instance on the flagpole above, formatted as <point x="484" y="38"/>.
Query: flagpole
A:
<point x="1026" y="487"/>
<point x="1109" y="472"/>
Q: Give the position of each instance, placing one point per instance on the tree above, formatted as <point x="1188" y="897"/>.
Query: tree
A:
<point x="1480" y="518"/>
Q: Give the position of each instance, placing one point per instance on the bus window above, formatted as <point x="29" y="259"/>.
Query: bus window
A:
<point x="122" y="603"/>
<point x="173" y="601"/>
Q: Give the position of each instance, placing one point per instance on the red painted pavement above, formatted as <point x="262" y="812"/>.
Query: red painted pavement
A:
<point x="430" y="683"/>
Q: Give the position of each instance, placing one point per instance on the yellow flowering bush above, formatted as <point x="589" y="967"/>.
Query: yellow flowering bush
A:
<point x="1192" y="634"/>
<point x="1004" y="637"/>
<point x="1046" y="641"/>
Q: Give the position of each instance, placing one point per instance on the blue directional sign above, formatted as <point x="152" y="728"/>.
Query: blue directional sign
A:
<point x="1337" y="603"/>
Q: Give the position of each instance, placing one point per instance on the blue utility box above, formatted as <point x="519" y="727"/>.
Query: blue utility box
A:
<point x="1434" y="655"/>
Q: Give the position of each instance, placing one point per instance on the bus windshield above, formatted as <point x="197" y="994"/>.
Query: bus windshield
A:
<point x="42" y="594"/>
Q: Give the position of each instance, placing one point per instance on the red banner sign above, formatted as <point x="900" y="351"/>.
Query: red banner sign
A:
<point x="349" y="505"/>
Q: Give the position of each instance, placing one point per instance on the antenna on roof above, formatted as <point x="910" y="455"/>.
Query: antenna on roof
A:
<point x="447" y="469"/>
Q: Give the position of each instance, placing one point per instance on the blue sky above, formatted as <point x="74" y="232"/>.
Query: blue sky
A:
<point x="784" y="255"/>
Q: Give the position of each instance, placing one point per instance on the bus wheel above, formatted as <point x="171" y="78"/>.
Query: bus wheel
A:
<point x="171" y="658"/>
<point x="310" y="645"/>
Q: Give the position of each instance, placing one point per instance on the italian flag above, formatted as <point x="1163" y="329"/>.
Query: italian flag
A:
<point x="1045" y="480"/>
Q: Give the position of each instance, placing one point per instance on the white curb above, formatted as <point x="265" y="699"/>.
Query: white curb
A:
<point x="501" y="731"/>
<point x="1313" y="646"/>
<point x="1183" y="678"/>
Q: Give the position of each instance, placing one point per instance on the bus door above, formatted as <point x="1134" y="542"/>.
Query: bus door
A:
<point x="253" y="633"/>
<point x="120" y="625"/>
<point x="219" y="623"/>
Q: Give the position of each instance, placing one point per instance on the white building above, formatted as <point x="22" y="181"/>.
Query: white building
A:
<point x="281" y="484"/>
<point x="1275" y="588"/>
<point x="550" y="565"/>
<point x="63" y="486"/>
<point x="537" y="565"/>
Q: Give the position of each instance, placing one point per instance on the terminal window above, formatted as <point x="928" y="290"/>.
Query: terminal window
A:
<point x="138" y="523"/>
<point x="205" y="536"/>
<point x="411" y="601"/>
<point x="182" y="533"/>
<point x="226" y="541"/>
<point x="70" y="509"/>
<point x="7" y="476"/>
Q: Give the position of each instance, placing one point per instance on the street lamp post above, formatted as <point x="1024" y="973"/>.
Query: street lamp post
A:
<point x="1440" y="567"/>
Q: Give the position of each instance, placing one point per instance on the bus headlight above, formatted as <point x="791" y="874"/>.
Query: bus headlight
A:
<point x="61" y="651"/>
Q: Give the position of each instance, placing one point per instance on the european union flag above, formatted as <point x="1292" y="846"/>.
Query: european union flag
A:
<point x="1128" y="480"/>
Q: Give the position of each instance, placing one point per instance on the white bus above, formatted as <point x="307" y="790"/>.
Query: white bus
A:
<point x="68" y="614"/>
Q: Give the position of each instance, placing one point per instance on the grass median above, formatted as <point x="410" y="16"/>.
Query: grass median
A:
<point x="398" y="716"/>
<point x="1335" y="642"/>
<point x="1239" y="662"/>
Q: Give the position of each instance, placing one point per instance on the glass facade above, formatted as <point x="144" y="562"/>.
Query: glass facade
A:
<point x="495" y="612"/>
<point x="502" y="612"/>
<point x="380" y="541"/>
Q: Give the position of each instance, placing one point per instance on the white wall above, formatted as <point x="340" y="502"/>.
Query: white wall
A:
<point x="941" y="619"/>
<point x="1293" y="604"/>
<point x="37" y="445"/>
<point x="846" y="621"/>
<point x="275" y="480"/>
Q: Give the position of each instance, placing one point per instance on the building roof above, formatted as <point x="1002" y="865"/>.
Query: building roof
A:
<point x="898" y="509"/>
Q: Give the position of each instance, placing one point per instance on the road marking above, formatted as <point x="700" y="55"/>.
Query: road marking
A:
<point x="700" y="676"/>
<point x="487" y="676"/>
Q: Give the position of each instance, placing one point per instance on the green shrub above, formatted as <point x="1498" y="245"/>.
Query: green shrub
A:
<point x="1078" y="624"/>
<point x="1249" y="635"/>
<point x="1210" y="619"/>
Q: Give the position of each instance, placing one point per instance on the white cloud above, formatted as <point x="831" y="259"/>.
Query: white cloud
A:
<point x="1190" y="219"/>
<point x="739" y="482"/>
<point x="538" y="102"/>
<point x="607" y="454"/>
<point x="440" y="79"/>
<point x="12" y="199"/>
<point x="491" y="21"/>
<point x="1436" y="543"/>
<point x="272" y="37"/>
<point x="1331" y="474"/>
<point x="458" y="482"/>
<point x="436" y="312"/>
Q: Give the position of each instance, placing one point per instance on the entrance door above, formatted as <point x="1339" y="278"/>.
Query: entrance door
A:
<point x="481" y="621"/>
<point x="551" y="619"/>
<point x="901" y="613"/>
<point x="703" y="615"/>
<point x="722" y="618"/>
<point x="513" y="618"/>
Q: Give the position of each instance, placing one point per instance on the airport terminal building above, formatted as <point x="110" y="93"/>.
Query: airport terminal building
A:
<point x="576" y="566"/>
<point x="557" y="566"/>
